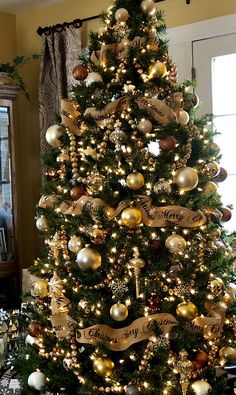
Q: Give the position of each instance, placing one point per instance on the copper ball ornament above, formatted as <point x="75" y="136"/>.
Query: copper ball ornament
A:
<point x="132" y="389"/>
<point x="200" y="360"/>
<point x="168" y="144"/>
<point x="187" y="311"/>
<point x="80" y="72"/>
<point x="213" y="169"/>
<point x="186" y="178"/>
<point x="88" y="258"/>
<point x="131" y="216"/>
<point x="40" y="288"/>
<point x="103" y="366"/>
<point x="53" y="135"/>
<point x="145" y="126"/>
<point x="77" y="191"/>
<point x="155" y="244"/>
<point x="221" y="176"/>
<point x="201" y="387"/>
<point x="226" y="215"/>
<point x="135" y="181"/>
<point x="119" y="312"/>
<point x="157" y="70"/>
<point x="121" y="15"/>
<point x="175" y="244"/>
<point x="34" y="329"/>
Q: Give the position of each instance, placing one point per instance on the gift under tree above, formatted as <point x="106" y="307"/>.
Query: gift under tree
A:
<point x="133" y="292"/>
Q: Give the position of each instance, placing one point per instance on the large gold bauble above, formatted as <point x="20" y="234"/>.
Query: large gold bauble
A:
<point x="213" y="169"/>
<point x="228" y="355"/>
<point x="210" y="187"/>
<point x="53" y="134"/>
<point x="175" y="244"/>
<point x="187" y="310"/>
<point x="148" y="7"/>
<point x="131" y="216"/>
<point x="88" y="258"/>
<point x="103" y="366"/>
<point x="157" y="70"/>
<point x="135" y="181"/>
<point x="40" y="288"/>
<point x="186" y="178"/>
<point x="201" y="387"/>
<point x="119" y="312"/>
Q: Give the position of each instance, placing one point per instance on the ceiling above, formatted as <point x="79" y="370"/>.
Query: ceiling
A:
<point x="16" y="6"/>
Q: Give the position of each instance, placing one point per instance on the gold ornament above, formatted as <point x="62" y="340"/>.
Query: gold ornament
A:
<point x="201" y="387"/>
<point x="228" y="355"/>
<point x="42" y="223"/>
<point x="88" y="258"/>
<point x="157" y="70"/>
<point x="74" y="244"/>
<point x="53" y="134"/>
<point x="183" y="117"/>
<point x="136" y="263"/>
<point x="148" y="7"/>
<point x="187" y="310"/>
<point x="40" y="288"/>
<point x="135" y="181"/>
<point x="186" y="178"/>
<point x="175" y="244"/>
<point x="213" y="169"/>
<point x="144" y="126"/>
<point x="131" y="216"/>
<point x="216" y="286"/>
<point x="103" y="366"/>
<point x="210" y="188"/>
<point x="98" y="236"/>
<point x="121" y="15"/>
<point x="184" y="367"/>
<point x="119" y="312"/>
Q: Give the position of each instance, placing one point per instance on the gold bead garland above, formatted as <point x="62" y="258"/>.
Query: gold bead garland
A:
<point x="73" y="155"/>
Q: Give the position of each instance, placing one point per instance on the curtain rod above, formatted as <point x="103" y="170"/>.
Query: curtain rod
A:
<point x="77" y="23"/>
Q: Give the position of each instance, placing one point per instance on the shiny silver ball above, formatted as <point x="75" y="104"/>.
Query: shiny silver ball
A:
<point x="88" y="258"/>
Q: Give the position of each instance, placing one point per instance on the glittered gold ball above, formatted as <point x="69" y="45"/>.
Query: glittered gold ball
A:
<point x="119" y="312"/>
<point x="88" y="258"/>
<point x="135" y="181"/>
<point x="175" y="244"/>
<point x="228" y="355"/>
<point x="98" y="236"/>
<point x="210" y="188"/>
<point x="40" y="288"/>
<point x="201" y="387"/>
<point x="186" y="178"/>
<point x="213" y="169"/>
<point x="187" y="310"/>
<point x="53" y="134"/>
<point x="131" y="216"/>
<point x="157" y="70"/>
<point x="144" y="125"/>
<point x="103" y="366"/>
<point x="216" y="285"/>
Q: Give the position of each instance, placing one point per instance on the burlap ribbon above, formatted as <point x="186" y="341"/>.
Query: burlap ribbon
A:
<point x="69" y="115"/>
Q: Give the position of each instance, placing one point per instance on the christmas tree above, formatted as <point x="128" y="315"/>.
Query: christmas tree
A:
<point x="133" y="294"/>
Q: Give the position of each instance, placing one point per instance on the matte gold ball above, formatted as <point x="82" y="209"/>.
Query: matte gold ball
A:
<point x="201" y="387"/>
<point x="175" y="244"/>
<point x="53" y="134"/>
<point x="119" y="312"/>
<point x="40" y="288"/>
<point x="186" y="178"/>
<point x="228" y="354"/>
<point x="135" y="181"/>
<point x="103" y="366"/>
<point x="210" y="187"/>
<point x="187" y="310"/>
<point x="157" y="70"/>
<point x="88" y="258"/>
<point x="131" y="216"/>
<point x="213" y="169"/>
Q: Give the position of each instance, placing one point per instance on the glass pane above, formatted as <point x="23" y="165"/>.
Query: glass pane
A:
<point x="6" y="226"/>
<point x="226" y="140"/>
<point x="224" y="84"/>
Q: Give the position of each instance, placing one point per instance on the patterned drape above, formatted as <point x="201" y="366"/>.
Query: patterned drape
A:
<point x="60" y="53"/>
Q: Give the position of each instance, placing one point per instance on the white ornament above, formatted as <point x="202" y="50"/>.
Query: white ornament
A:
<point x="93" y="77"/>
<point x="53" y="134"/>
<point x="37" y="380"/>
<point x="31" y="340"/>
<point x="121" y="15"/>
<point x="148" y="7"/>
<point x="74" y="244"/>
<point x="183" y="117"/>
<point x="145" y="126"/>
<point x="201" y="387"/>
<point x="41" y="223"/>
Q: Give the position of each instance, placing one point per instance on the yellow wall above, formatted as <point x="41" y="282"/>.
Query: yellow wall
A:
<point x="7" y="37"/>
<point x="177" y="13"/>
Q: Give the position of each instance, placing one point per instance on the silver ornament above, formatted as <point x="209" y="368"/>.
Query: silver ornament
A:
<point x="119" y="312"/>
<point x="88" y="258"/>
<point x="37" y="380"/>
<point x="53" y="134"/>
<point x="117" y="137"/>
<point x="201" y="387"/>
<point x="132" y="389"/>
<point x="41" y="223"/>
